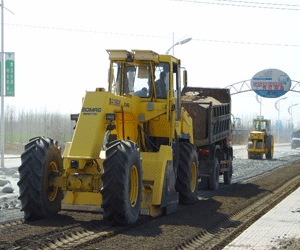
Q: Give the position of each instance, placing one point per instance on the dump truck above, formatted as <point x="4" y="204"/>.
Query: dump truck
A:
<point x="139" y="147"/>
<point x="261" y="142"/>
<point x="210" y="109"/>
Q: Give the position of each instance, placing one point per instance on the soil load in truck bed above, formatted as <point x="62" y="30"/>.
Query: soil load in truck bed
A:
<point x="210" y="110"/>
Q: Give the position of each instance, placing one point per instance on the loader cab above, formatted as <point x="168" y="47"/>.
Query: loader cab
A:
<point x="145" y="74"/>
<point x="135" y="74"/>
<point x="130" y="79"/>
<point x="262" y="125"/>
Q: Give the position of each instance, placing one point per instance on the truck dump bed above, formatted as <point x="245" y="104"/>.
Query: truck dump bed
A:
<point x="210" y="110"/>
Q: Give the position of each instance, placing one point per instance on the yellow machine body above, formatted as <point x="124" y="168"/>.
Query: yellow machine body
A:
<point x="257" y="136"/>
<point x="260" y="140"/>
<point x="119" y="114"/>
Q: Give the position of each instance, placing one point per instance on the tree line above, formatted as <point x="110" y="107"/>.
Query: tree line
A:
<point x="23" y="124"/>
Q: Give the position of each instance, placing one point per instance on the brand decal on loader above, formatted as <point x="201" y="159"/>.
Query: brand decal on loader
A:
<point x="114" y="102"/>
<point x="91" y="110"/>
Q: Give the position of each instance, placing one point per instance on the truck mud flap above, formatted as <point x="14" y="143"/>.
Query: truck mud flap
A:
<point x="205" y="168"/>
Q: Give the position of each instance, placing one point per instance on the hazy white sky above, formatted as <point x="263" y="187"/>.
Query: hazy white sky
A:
<point x="60" y="46"/>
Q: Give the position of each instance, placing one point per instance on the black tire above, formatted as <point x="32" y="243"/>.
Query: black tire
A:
<point x="270" y="147"/>
<point x="38" y="197"/>
<point x="122" y="183"/>
<point x="250" y="155"/>
<point x="203" y="183"/>
<point x="187" y="173"/>
<point x="255" y="156"/>
<point x="213" y="180"/>
<point x="259" y="156"/>
<point x="228" y="174"/>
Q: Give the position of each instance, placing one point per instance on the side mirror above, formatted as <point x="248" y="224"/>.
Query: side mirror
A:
<point x="185" y="78"/>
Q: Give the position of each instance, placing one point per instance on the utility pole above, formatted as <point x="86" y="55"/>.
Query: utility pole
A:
<point x="2" y="86"/>
<point x="2" y="75"/>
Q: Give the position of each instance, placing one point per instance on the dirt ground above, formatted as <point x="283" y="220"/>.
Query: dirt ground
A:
<point x="169" y="231"/>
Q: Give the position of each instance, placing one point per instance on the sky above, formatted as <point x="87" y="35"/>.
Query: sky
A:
<point x="60" y="47"/>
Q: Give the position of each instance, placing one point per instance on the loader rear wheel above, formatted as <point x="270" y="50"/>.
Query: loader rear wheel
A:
<point x="213" y="180"/>
<point x="41" y="161"/>
<point x="122" y="183"/>
<point x="187" y="174"/>
<point x="228" y="174"/>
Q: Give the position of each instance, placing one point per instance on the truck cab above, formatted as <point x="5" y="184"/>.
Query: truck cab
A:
<point x="295" y="140"/>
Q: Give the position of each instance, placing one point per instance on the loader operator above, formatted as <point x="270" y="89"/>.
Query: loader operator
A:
<point x="141" y="93"/>
<point x="160" y="86"/>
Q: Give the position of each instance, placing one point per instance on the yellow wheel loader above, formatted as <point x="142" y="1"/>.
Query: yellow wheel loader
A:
<point x="132" y="151"/>
<point x="260" y="140"/>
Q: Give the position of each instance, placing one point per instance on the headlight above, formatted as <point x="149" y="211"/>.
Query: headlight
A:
<point x="110" y="116"/>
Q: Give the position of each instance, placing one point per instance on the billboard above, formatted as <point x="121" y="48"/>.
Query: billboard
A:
<point x="271" y="83"/>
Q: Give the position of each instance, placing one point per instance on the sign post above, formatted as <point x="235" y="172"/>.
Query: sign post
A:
<point x="9" y="86"/>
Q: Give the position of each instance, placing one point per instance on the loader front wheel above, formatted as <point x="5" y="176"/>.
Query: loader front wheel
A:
<point x="41" y="162"/>
<point x="122" y="183"/>
<point x="187" y="174"/>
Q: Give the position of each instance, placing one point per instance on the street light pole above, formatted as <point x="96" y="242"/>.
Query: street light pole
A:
<point x="290" y="112"/>
<point x="259" y="101"/>
<point x="278" y="108"/>
<point x="173" y="43"/>
<point x="178" y="43"/>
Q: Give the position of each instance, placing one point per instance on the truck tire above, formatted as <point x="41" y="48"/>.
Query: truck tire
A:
<point x="39" y="198"/>
<point x="270" y="147"/>
<point x="228" y="174"/>
<point x="203" y="183"/>
<point x="213" y="180"/>
<point x="187" y="174"/>
<point x="122" y="183"/>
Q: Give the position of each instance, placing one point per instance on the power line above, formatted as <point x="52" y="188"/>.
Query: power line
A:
<point x="149" y="36"/>
<point x="279" y="4"/>
<point x="247" y="6"/>
<point x="247" y="43"/>
<point x="83" y="30"/>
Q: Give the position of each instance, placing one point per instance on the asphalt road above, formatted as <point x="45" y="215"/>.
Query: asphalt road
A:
<point x="243" y="168"/>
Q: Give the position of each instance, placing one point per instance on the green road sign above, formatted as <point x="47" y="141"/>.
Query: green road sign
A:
<point x="10" y="74"/>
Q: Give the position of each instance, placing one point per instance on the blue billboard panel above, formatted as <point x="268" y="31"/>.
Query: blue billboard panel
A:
<point x="271" y="83"/>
